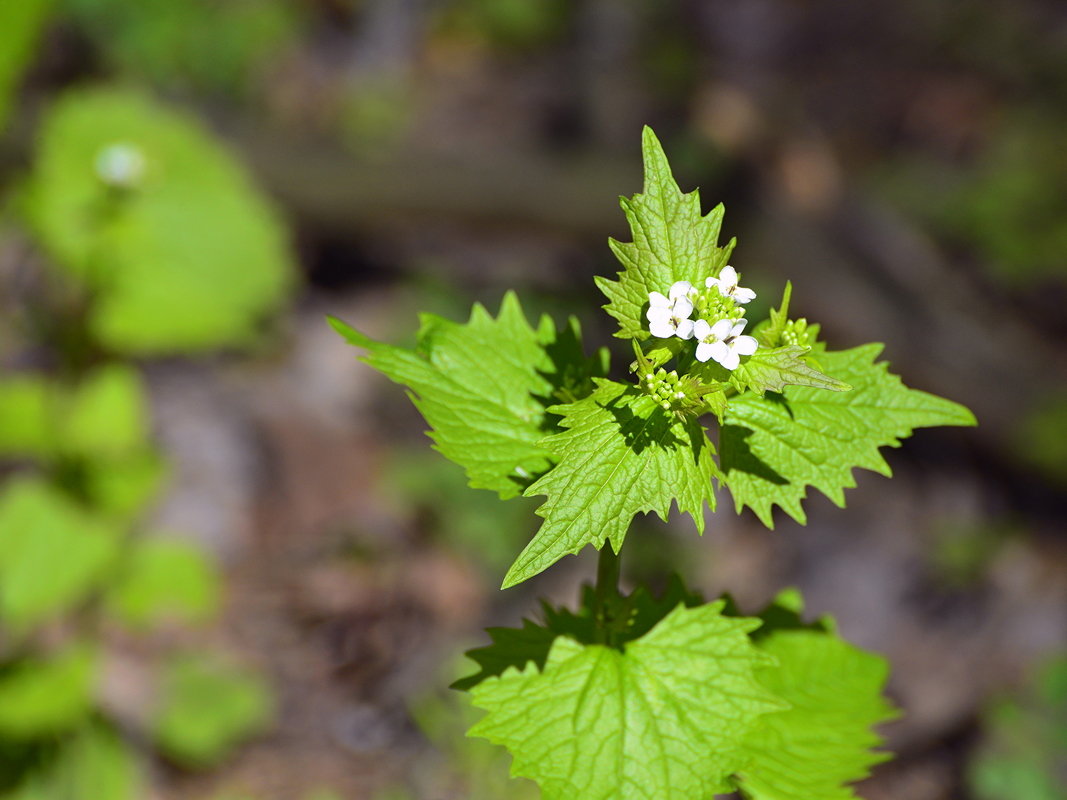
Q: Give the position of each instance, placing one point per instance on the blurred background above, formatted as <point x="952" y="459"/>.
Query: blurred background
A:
<point x="231" y="568"/>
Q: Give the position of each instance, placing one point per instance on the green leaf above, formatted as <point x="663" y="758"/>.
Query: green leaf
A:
<point x="665" y="719"/>
<point x="774" y="369"/>
<point x="52" y="553"/>
<point x="46" y="697"/>
<point x="106" y="414"/>
<point x="188" y="257"/>
<point x="208" y="708"/>
<point x="27" y="418"/>
<point x="96" y="765"/>
<point x="23" y="22"/>
<point x="620" y="455"/>
<point x="510" y="647"/>
<point x="484" y="387"/>
<point x="161" y="580"/>
<point x="823" y="741"/>
<point x="774" y="447"/>
<point x="634" y="616"/>
<point x="672" y="241"/>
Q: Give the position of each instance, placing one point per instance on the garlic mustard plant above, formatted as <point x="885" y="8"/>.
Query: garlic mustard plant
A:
<point x="634" y="695"/>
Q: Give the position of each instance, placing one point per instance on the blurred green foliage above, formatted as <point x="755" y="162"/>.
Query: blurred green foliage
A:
<point x="199" y="44"/>
<point x="208" y="707"/>
<point x="1042" y="439"/>
<point x="1006" y="204"/>
<point x="1024" y="755"/>
<point x="94" y="765"/>
<point x="53" y="554"/>
<point x="22" y="21"/>
<point x="156" y="223"/>
<point x="465" y="767"/>
<point x="160" y="245"/>
<point x="507" y="24"/>
<point x="43" y="697"/>
<point x="423" y="483"/>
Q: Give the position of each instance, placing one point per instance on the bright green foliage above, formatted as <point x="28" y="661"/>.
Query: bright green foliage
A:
<point x="484" y="387"/>
<point x="178" y="250"/>
<point x="208" y="708"/>
<point x="46" y="697"/>
<point x="823" y="740"/>
<point x="620" y="455"/>
<point x="1024" y="752"/>
<point x="96" y="765"/>
<point x="664" y="719"/>
<point x="23" y="21"/>
<point x="94" y="435"/>
<point x="632" y="617"/>
<point x="774" y="369"/>
<point x="164" y="580"/>
<point x="27" y="411"/>
<point x="52" y="553"/>
<point x="672" y="242"/>
<point x="776" y="446"/>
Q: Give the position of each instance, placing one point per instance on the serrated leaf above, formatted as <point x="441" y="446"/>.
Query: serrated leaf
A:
<point x="620" y="455"/>
<point x="484" y="387"/>
<point x="774" y="447"/>
<point x="773" y="369"/>
<point x="634" y="616"/>
<point x="672" y="241"/>
<point x="52" y="553"/>
<point x="822" y="742"/>
<point x="665" y="719"/>
<point x="190" y="258"/>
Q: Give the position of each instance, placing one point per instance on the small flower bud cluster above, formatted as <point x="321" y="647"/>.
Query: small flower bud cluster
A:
<point x="797" y="332"/>
<point x="720" y="320"/>
<point x="664" y="388"/>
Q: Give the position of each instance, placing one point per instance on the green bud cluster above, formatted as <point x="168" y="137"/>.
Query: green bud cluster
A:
<point x="712" y="306"/>
<point x="664" y="387"/>
<point x="797" y="332"/>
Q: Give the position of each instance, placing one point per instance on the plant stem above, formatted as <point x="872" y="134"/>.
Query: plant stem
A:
<point x="607" y="589"/>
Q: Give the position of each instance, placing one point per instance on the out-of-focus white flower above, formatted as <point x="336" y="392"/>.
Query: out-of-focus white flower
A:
<point x="669" y="316"/>
<point x="121" y="165"/>
<point x="723" y="342"/>
<point x="727" y="283"/>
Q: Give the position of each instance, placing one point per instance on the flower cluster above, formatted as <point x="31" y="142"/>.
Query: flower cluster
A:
<point x="719" y="324"/>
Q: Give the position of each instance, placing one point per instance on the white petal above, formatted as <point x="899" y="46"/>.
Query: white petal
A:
<point x="722" y="328"/>
<point x="730" y="360"/>
<point x="685" y="329"/>
<point x="745" y="345"/>
<point x="662" y="329"/>
<point x="683" y="307"/>
<point x="744" y="295"/>
<point x="701" y="329"/>
<point x="680" y="289"/>
<point x="656" y="300"/>
<point x="704" y="351"/>
<point x="738" y="327"/>
<point x="657" y="314"/>
<point x="718" y="351"/>
<point x="709" y="282"/>
<point x="728" y="276"/>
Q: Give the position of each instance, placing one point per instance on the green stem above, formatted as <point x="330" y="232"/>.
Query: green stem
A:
<point x="607" y="589"/>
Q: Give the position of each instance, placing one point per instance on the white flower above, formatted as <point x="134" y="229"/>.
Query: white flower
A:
<point x="121" y="165"/>
<point x="727" y="283"/>
<point x="669" y="316"/>
<point x="723" y="342"/>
